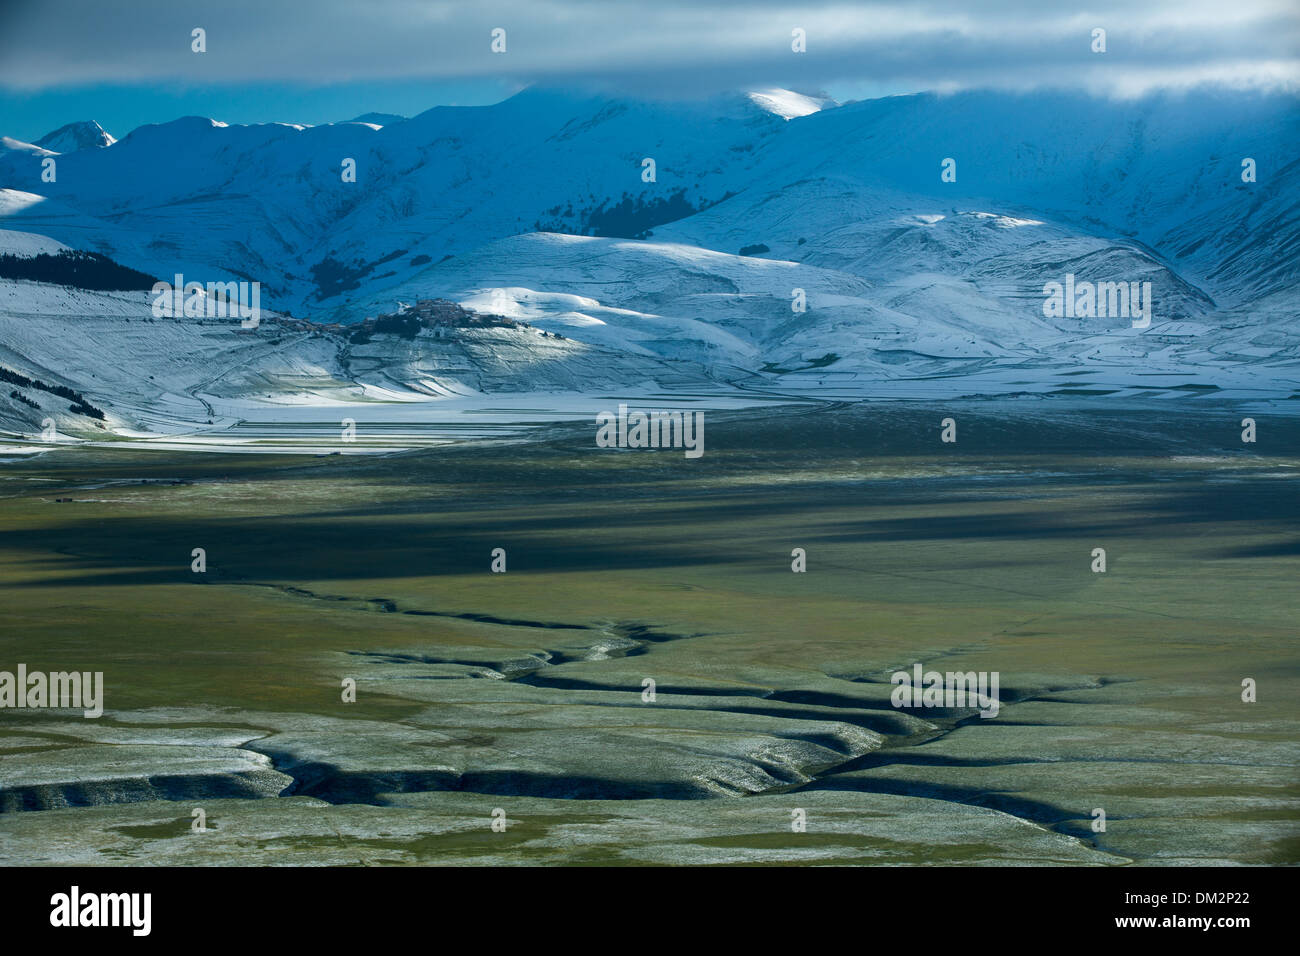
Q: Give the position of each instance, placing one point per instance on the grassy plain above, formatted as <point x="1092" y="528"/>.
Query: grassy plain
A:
<point x="523" y="691"/>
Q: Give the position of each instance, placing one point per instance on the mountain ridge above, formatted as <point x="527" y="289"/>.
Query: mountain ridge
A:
<point x="687" y="231"/>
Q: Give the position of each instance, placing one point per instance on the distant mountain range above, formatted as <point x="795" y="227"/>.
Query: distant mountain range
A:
<point x="767" y="233"/>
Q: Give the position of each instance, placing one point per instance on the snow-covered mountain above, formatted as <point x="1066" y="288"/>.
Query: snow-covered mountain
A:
<point x="917" y="233"/>
<point x="86" y="134"/>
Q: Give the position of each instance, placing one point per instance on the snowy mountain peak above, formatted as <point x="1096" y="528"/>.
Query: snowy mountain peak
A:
<point x="788" y="104"/>
<point x="86" y="134"/>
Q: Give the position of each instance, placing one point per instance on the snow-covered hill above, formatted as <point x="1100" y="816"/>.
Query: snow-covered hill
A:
<point x="24" y="245"/>
<point x="175" y="375"/>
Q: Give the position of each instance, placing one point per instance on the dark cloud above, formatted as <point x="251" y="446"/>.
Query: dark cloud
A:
<point x="665" y="46"/>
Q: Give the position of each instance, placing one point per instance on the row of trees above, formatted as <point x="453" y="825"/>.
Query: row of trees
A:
<point x="79" y="403"/>
<point x="72" y="267"/>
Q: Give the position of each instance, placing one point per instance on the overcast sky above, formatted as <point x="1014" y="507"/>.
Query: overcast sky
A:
<point x="126" y="63"/>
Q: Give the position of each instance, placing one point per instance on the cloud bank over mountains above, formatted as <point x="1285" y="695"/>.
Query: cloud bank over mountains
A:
<point x="658" y="47"/>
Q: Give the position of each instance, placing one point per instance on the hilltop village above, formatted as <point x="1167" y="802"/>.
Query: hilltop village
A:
<point x="441" y="316"/>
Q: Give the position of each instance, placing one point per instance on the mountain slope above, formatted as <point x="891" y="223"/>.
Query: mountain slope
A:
<point x="171" y="375"/>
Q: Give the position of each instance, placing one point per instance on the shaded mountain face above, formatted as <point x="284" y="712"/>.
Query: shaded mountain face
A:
<point x="768" y="231"/>
<point x="86" y="134"/>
